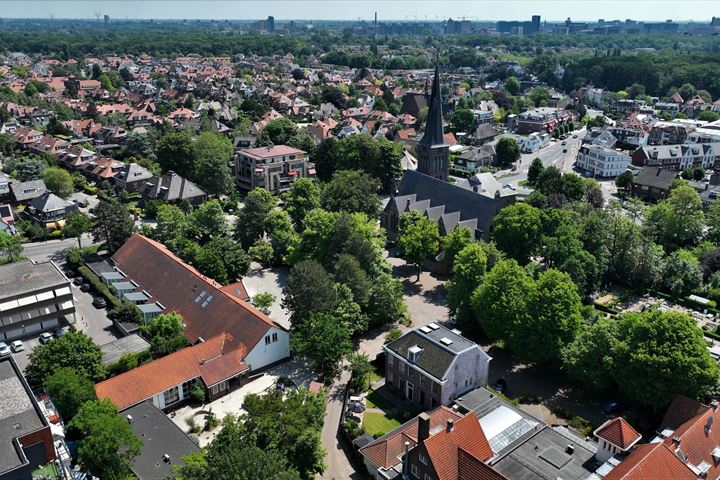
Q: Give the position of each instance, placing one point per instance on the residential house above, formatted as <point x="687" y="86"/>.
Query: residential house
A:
<point x="473" y="158"/>
<point x="49" y="211"/>
<point x="274" y="168"/>
<point x="34" y="298"/>
<point x="167" y="381"/>
<point x="653" y="183"/>
<point x="164" y="443"/>
<point x="599" y="161"/>
<point x="678" y="157"/>
<point x="132" y="177"/>
<point x="172" y="188"/>
<point x="601" y="137"/>
<point x="534" y="142"/>
<point x="207" y="310"/>
<point x="448" y="204"/>
<point x="5" y="181"/>
<point x="484" y="133"/>
<point x="668" y="133"/>
<point x="541" y="120"/>
<point x="615" y="437"/>
<point x="7" y="220"/>
<point x="433" y="365"/>
<point x="23" y="192"/>
<point x="26" y="440"/>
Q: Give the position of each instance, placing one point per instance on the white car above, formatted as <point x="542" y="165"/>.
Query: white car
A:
<point x="17" y="346"/>
<point x="4" y="349"/>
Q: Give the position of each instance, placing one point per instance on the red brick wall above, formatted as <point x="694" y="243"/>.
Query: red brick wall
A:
<point x="43" y="435"/>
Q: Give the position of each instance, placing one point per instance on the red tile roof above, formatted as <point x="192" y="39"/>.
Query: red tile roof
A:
<point x="384" y="451"/>
<point x="213" y="361"/>
<point x="618" y="432"/>
<point x="470" y="468"/>
<point x="444" y="447"/>
<point x="177" y="286"/>
<point x="698" y="437"/>
<point x="680" y="411"/>
<point x="651" y="461"/>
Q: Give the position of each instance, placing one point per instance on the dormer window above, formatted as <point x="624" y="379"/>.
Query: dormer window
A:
<point x="414" y="353"/>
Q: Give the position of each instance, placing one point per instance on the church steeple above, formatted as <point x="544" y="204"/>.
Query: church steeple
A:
<point x="433" y="152"/>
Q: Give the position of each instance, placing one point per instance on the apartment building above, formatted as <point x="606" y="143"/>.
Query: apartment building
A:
<point x="599" y="161"/>
<point x="274" y="168"/>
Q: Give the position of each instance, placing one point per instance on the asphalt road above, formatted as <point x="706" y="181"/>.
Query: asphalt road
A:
<point x="52" y="249"/>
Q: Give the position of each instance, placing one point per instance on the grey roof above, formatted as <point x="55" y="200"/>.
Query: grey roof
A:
<point x="24" y="191"/>
<point x="655" y="177"/>
<point x="600" y="137"/>
<point x="132" y="172"/>
<point x="484" y="184"/>
<point x="434" y="133"/>
<point x="49" y="202"/>
<point x="19" y="414"/>
<point x="172" y="187"/>
<point x="23" y="277"/>
<point x="111" y="352"/>
<point x="160" y="437"/>
<point x="137" y="296"/>
<point x="150" y="308"/>
<point x="416" y="187"/>
<point x="485" y="131"/>
<point x="436" y="357"/>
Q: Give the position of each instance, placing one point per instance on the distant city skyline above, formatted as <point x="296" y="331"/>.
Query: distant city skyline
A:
<point x="388" y="10"/>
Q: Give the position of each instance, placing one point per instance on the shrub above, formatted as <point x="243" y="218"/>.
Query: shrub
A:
<point x="90" y="190"/>
<point x="194" y="427"/>
<point x="197" y="394"/>
<point x="393" y="335"/>
<point x="353" y="428"/>
<point x="99" y="286"/>
<point x="211" y="422"/>
<point x="581" y="424"/>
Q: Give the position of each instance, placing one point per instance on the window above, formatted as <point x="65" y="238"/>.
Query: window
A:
<point x="217" y="388"/>
<point x="389" y="376"/>
<point x="267" y="339"/>
<point x="391" y="359"/>
<point x="435" y="387"/>
<point x="274" y="337"/>
<point x="422" y="380"/>
<point x="171" y="396"/>
<point x="422" y="458"/>
<point x="415" y="471"/>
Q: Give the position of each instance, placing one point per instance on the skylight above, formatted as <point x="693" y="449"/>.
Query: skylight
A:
<point x="446" y="341"/>
<point x="433" y="326"/>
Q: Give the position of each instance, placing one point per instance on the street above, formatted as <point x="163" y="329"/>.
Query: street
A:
<point x="52" y="249"/>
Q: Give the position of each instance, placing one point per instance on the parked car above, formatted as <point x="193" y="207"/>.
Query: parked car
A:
<point x="85" y="287"/>
<point x="564" y="143"/>
<point x="564" y="150"/>
<point x="99" y="302"/>
<point x="78" y="281"/>
<point x="45" y="337"/>
<point x="4" y="349"/>
<point x="17" y="346"/>
<point x="59" y="333"/>
<point x="612" y="407"/>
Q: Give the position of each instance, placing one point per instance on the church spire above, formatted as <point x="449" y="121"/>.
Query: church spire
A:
<point x="433" y="135"/>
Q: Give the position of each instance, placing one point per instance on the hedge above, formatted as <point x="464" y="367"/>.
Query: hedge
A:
<point x="99" y="286"/>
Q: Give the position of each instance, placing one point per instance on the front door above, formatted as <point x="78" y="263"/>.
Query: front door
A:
<point x="422" y="397"/>
<point x="409" y="391"/>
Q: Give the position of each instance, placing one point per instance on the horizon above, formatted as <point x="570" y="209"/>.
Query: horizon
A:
<point x="693" y="11"/>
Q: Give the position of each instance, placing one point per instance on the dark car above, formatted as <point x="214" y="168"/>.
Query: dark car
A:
<point x="85" y="287"/>
<point x="500" y="385"/>
<point x="612" y="407"/>
<point x="99" y="302"/>
<point x="78" y="281"/>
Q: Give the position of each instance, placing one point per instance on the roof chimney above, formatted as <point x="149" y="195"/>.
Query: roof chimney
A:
<point x="676" y="441"/>
<point x="406" y="463"/>
<point x="714" y="405"/>
<point x="450" y="424"/>
<point x="166" y="458"/>
<point x="129" y="418"/>
<point x="423" y="427"/>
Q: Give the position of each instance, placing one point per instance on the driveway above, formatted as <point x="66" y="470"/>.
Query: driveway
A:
<point x="52" y="249"/>
<point x="273" y="280"/>
<point x="94" y="322"/>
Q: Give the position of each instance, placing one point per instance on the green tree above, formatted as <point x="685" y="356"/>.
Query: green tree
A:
<point x="508" y="151"/>
<point x="113" y="224"/>
<point x="352" y="191"/>
<point x="386" y="304"/>
<point x="418" y="236"/>
<point x="29" y="169"/>
<point x="713" y="222"/>
<point x="108" y="444"/>
<point x="58" y="181"/>
<point x="172" y="225"/>
<point x="536" y="168"/>
<point x="175" y="152"/>
<point x="75" y="350"/>
<point x="589" y="358"/>
<point x="277" y="132"/>
<point x="208" y="222"/>
<point x="251" y="221"/>
<point x="165" y="333"/>
<point x="553" y="320"/>
<point x="323" y="341"/>
<point x="228" y="457"/>
<point x="55" y="127"/>
<point x="470" y="267"/>
<point x="518" y="230"/>
<point x="462" y="120"/>
<point x="500" y="303"/>
<point x="662" y="354"/>
<point x="539" y="96"/>
<point x="235" y="261"/>
<point x="453" y="243"/>
<point x="512" y="85"/>
<point x="359" y="366"/>
<point x="309" y="289"/>
<point x="303" y="196"/>
<point x="677" y="221"/>
<point x="681" y="274"/>
<point x="69" y="391"/>
<point x="264" y="300"/>
<point x="212" y="154"/>
<point x="76" y="225"/>
<point x="11" y="248"/>
<point x="349" y="272"/>
<point x="282" y="235"/>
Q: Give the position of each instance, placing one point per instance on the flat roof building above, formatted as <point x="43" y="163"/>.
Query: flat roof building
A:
<point x="25" y="438"/>
<point x="34" y="297"/>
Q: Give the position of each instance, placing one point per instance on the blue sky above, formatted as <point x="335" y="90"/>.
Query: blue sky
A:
<point x="700" y="10"/>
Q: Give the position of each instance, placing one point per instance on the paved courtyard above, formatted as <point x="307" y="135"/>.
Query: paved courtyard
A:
<point x="231" y="404"/>
<point x="273" y="280"/>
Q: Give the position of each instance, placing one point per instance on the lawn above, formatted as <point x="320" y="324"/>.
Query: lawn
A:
<point x="377" y="424"/>
<point x="50" y="471"/>
<point x="375" y="400"/>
